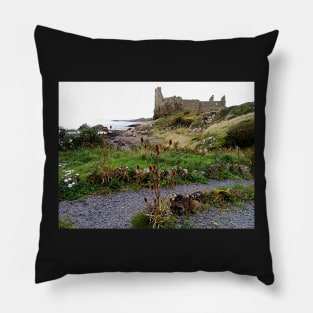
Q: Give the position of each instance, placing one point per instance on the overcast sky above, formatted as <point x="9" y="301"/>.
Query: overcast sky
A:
<point x="93" y="102"/>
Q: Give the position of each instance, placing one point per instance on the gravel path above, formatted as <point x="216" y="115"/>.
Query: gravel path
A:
<point x="116" y="210"/>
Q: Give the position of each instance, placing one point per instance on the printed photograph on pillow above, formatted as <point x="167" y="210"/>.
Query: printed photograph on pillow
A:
<point x="156" y="155"/>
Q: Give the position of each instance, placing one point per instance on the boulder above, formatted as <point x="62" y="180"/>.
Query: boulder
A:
<point x="184" y="204"/>
<point x="239" y="169"/>
<point x="199" y="196"/>
<point x="245" y="171"/>
<point x="180" y="204"/>
<point x="182" y="172"/>
<point x="214" y="169"/>
<point x="128" y="133"/>
<point x="198" y="173"/>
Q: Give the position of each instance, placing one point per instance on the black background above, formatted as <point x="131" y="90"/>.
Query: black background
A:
<point x="67" y="57"/>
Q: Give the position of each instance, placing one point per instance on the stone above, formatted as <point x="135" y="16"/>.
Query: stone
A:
<point x="214" y="169"/>
<point x="146" y="171"/>
<point x="245" y="171"/>
<point x="182" y="172"/>
<point x="128" y="133"/>
<point x="239" y="169"/>
<point x="194" y="205"/>
<point x="184" y="204"/>
<point x="180" y="204"/>
<point x="198" y="196"/>
<point x="199" y="173"/>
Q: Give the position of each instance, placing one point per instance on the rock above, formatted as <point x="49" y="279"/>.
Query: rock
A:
<point x="101" y="128"/>
<point x="180" y="204"/>
<point x="211" y="139"/>
<point x="199" y="173"/>
<point x="128" y="133"/>
<point x="214" y="169"/>
<point x="194" y="205"/>
<point x="245" y="171"/>
<point x="182" y="172"/>
<point x="239" y="169"/>
<point x="165" y="173"/>
<point x="146" y="171"/>
<point x="198" y="196"/>
<point x="184" y="204"/>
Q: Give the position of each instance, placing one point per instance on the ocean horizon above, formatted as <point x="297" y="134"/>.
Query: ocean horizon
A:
<point x="116" y="124"/>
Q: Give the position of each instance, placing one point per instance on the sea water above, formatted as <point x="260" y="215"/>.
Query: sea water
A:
<point x="118" y="125"/>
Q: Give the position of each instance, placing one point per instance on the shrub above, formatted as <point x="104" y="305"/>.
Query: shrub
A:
<point x="227" y="197"/>
<point x="140" y="221"/>
<point x="224" y="158"/>
<point x="78" y="190"/>
<point x="187" y="224"/>
<point x="221" y="114"/>
<point x="65" y="224"/>
<point x="112" y="178"/>
<point x="243" y="109"/>
<point x="85" y="137"/>
<point x="241" y="135"/>
<point x="65" y="139"/>
<point x="180" y="122"/>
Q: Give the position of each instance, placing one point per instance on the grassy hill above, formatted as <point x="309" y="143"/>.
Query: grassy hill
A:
<point x="206" y="130"/>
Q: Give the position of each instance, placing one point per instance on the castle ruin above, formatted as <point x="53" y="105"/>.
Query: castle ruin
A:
<point x="166" y="106"/>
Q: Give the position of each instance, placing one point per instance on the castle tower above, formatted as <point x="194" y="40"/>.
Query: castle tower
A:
<point x="223" y="101"/>
<point x="158" y="96"/>
<point x="158" y="102"/>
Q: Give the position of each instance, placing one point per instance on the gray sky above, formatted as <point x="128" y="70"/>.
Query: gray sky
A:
<point x="93" y="102"/>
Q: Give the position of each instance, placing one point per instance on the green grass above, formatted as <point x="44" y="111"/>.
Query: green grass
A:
<point x="248" y="189"/>
<point x="80" y="191"/>
<point x="187" y="224"/>
<point x="221" y="128"/>
<point x="141" y="221"/>
<point x="65" y="224"/>
<point x="85" y="161"/>
<point x="178" y="118"/>
<point x="225" y="197"/>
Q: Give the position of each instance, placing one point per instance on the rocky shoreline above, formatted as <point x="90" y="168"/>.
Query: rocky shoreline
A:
<point x="125" y="139"/>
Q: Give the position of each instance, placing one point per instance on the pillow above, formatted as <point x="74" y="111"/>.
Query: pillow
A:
<point x="154" y="155"/>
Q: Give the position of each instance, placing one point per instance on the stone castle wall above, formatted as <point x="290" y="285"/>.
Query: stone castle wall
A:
<point x="166" y="106"/>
